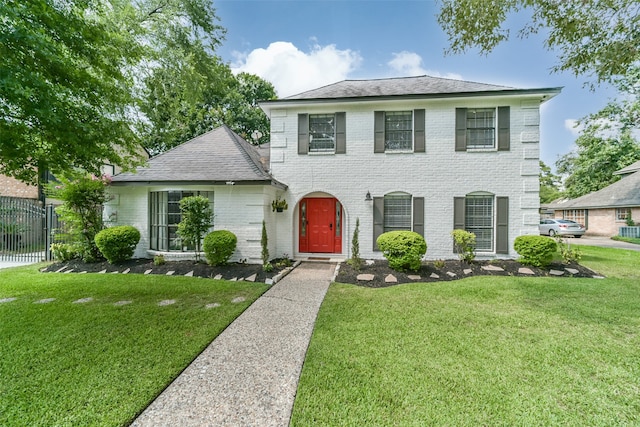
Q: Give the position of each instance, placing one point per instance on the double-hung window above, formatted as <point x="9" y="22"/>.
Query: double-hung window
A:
<point x="483" y="129"/>
<point x="577" y="215"/>
<point x="622" y="214"/>
<point x="485" y="215"/>
<point x="322" y="133"/>
<point x="397" y="211"/>
<point x="165" y="215"/>
<point x="399" y="131"/>
<point x="479" y="220"/>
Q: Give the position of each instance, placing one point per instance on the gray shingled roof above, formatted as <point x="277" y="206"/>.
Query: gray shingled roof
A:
<point x="420" y="85"/>
<point x="634" y="167"/>
<point x="620" y="194"/>
<point x="218" y="156"/>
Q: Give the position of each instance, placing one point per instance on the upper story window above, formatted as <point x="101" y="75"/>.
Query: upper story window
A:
<point x="398" y="126"/>
<point x="483" y="128"/>
<point x="322" y="133"/>
<point x="399" y="131"/>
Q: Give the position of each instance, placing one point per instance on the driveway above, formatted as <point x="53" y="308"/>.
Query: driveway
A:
<point x="604" y="242"/>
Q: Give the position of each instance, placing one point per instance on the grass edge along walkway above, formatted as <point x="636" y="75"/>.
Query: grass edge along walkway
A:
<point x="480" y="351"/>
<point x="99" y="363"/>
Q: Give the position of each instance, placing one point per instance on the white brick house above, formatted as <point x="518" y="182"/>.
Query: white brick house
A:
<point x="420" y="153"/>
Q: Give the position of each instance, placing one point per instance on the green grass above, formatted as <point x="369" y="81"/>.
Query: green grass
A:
<point x="499" y="351"/>
<point x="634" y="240"/>
<point x="68" y="364"/>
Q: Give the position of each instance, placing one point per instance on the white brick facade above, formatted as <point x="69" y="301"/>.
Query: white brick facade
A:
<point x="438" y="175"/>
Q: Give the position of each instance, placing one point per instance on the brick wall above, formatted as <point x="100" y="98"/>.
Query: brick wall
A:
<point x="438" y="175"/>
<point x="12" y="187"/>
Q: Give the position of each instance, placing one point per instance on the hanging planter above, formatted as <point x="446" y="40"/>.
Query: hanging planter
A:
<point x="279" y="205"/>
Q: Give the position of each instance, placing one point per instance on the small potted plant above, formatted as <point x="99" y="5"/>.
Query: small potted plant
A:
<point x="279" y="205"/>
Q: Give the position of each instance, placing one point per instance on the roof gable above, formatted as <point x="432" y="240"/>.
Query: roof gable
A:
<point x="220" y="155"/>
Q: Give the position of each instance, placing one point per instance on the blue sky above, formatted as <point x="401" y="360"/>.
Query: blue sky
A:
<point x="304" y="44"/>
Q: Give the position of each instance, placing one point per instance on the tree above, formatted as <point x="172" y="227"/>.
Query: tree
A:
<point x="65" y="98"/>
<point x="197" y="219"/>
<point x="598" y="38"/>
<point x="549" y="184"/>
<point x="607" y="142"/>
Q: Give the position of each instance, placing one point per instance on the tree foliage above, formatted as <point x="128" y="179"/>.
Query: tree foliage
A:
<point x="550" y="184"/>
<point x="64" y="87"/>
<point x="597" y="38"/>
<point x="86" y="82"/>
<point x="197" y="219"/>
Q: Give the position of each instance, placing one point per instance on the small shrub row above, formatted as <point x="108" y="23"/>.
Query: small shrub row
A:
<point x="535" y="250"/>
<point x="403" y="249"/>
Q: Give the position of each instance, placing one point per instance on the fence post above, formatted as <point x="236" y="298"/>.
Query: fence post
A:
<point x="48" y="230"/>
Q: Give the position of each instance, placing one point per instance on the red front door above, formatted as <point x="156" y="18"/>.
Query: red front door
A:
<point x="320" y="225"/>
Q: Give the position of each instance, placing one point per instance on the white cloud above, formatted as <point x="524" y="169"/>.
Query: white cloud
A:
<point x="292" y="71"/>
<point x="572" y="126"/>
<point x="410" y="64"/>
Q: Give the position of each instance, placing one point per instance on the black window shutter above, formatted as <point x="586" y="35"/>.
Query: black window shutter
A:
<point x="502" y="225"/>
<point x="459" y="206"/>
<point x="378" y="220"/>
<point x="418" y="131"/>
<point x="504" y="124"/>
<point x="303" y="133"/>
<point x="461" y="129"/>
<point x="378" y="128"/>
<point x="341" y="133"/>
<point x="418" y="215"/>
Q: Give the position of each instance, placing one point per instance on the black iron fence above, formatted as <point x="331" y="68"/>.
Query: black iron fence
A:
<point x="27" y="230"/>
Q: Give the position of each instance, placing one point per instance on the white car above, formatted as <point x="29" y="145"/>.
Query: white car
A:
<point x="563" y="227"/>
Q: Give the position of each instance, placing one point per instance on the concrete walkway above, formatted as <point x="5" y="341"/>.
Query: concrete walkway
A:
<point x="249" y="374"/>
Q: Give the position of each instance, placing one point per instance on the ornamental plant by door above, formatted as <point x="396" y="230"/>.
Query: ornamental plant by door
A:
<point x="279" y="205"/>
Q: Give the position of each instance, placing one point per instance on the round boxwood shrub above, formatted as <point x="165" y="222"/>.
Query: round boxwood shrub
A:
<point x="403" y="249"/>
<point x="118" y="243"/>
<point x="218" y="246"/>
<point x="535" y="250"/>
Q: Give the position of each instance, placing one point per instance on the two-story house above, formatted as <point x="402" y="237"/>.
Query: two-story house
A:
<point x="419" y="153"/>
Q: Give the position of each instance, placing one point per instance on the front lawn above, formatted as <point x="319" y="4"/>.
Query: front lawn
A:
<point x="480" y="351"/>
<point x="101" y="362"/>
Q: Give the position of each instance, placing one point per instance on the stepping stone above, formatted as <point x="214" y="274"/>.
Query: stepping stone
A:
<point x="492" y="268"/>
<point x="114" y="272"/>
<point x="212" y="305"/>
<point x="170" y="272"/>
<point x="102" y="271"/>
<point x="148" y="271"/>
<point x="413" y="277"/>
<point x="571" y="270"/>
<point x="467" y="271"/>
<point x="236" y="300"/>
<point x="525" y="270"/>
<point x="251" y="278"/>
<point x="556" y="272"/>
<point x="241" y="279"/>
<point x="68" y="271"/>
<point x="218" y="277"/>
<point x="598" y="277"/>
<point x="365" y="277"/>
<point x="126" y="271"/>
<point x="450" y="274"/>
<point x="83" y="300"/>
<point x="7" y="299"/>
<point x="369" y="262"/>
<point x="60" y="269"/>
<point x="189" y="274"/>
<point x="45" y="301"/>
<point x="434" y="276"/>
<point x="268" y="281"/>
<point x="391" y="279"/>
<point x="120" y="303"/>
<point x="166" y="302"/>
<point x="82" y="272"/>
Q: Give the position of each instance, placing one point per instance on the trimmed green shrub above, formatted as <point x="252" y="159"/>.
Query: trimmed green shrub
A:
<point x="403" y="249"/>
<point x="535" y="250"/>
<point x="118" y="243"/>
<point x="219" y="245"/>
<point x="464" y="244"/>
<point x="64" y="251"/>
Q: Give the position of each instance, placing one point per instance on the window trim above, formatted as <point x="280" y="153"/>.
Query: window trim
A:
<point x="620" y="217"/>
<point x="410" y="131"/>
<point x="494" y="128"/>
<point x="502" y="131"/>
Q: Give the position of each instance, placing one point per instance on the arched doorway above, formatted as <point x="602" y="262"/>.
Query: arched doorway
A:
<point x="320" y="225"/>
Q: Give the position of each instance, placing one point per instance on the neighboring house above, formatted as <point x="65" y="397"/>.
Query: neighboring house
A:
<point x="420" y="153"/>
<point x="11" y="187"/>
<point x="604" y="211"/>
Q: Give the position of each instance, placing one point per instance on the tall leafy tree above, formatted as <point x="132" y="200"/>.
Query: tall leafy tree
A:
<point x="65" y="93"/>
<point x="593" y="37"/>
<point x="549" y="184"/>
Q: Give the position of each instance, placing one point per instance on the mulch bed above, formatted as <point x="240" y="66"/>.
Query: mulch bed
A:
<point x="445" y="270"/>
<point x="180" y="268"/>
<point x="380" y="270"/>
